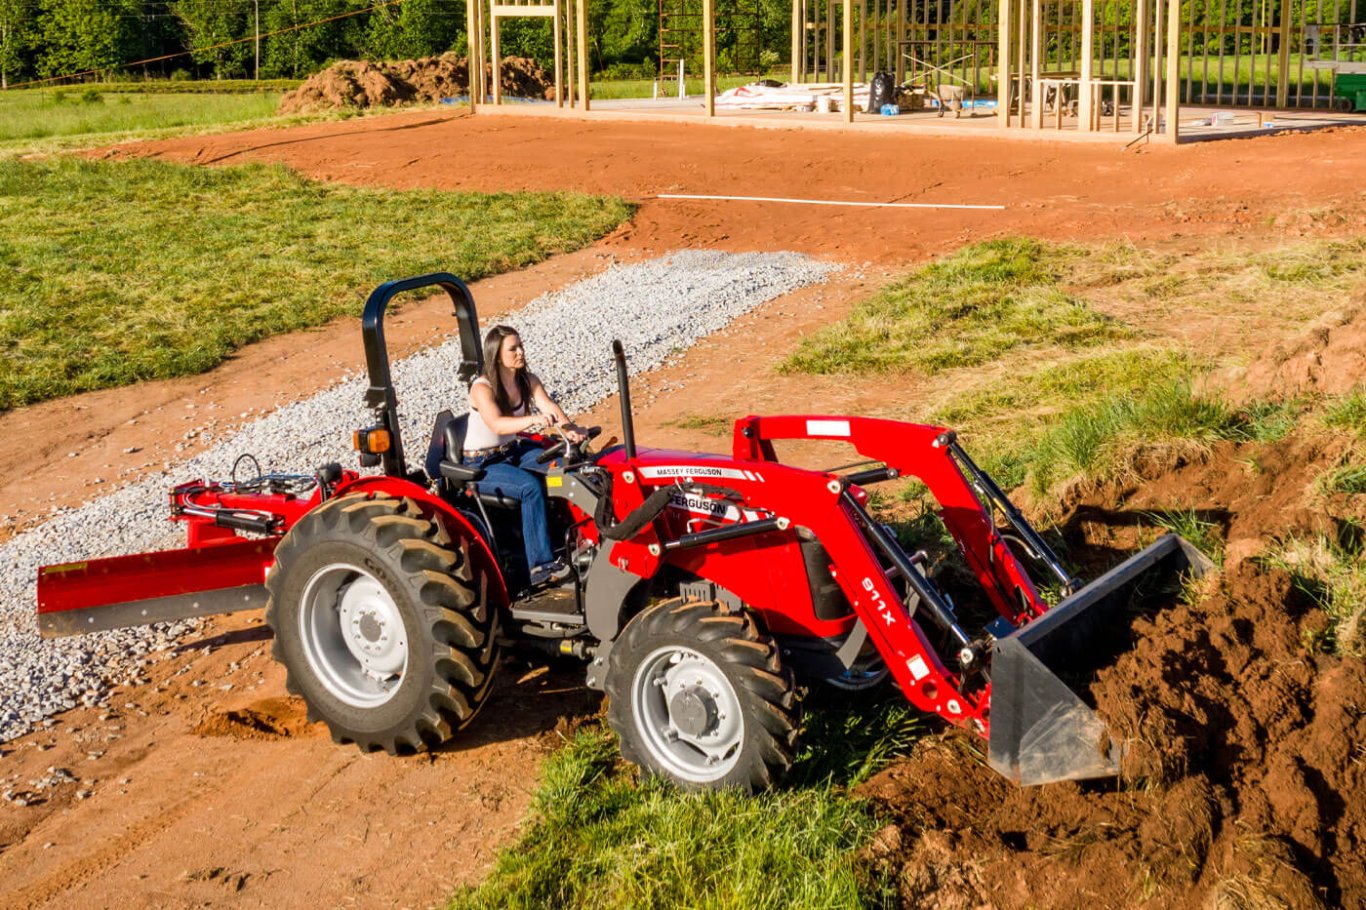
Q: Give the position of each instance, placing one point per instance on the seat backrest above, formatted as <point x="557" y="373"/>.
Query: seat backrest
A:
<point x="448" y="441"/>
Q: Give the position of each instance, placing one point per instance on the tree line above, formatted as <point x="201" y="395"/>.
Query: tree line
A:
<point x="40" y="39"/>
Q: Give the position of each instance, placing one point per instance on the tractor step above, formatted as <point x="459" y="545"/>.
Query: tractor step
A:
<point x="552" y="606"/>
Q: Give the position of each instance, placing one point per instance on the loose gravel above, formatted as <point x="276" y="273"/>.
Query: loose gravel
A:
<point x="657" y="308"/>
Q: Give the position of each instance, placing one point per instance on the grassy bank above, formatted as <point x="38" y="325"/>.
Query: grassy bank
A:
<point x="32" y="115"/>
<point x="1050" y="389"/>
<point x="598" y="837"/>
<point x="121" y="272"/>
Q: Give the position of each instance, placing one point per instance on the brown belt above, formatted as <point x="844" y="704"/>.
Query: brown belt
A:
<point x="480" y="453"/>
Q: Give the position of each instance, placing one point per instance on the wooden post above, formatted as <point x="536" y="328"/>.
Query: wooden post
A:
<point x="474" y="38"/>
<point x="1035" y="67"/>
<point x="1004" y="77"/>
<point x="497" y="74"/>
<point x="558" y="36"/>
<point x="1159" y="10"/>
<point x="1283" y="58"/>
<point x="863" y="40"/>
<point x="1173" y="70"/>
<point x="569" y="56"/>
<point x="709" y="56"/>
<point x="847" y="40"/>
<point x="1085" y="93"/>
<point x="900" y="37"/>
<point x="581" y="26"/>
<point x="1139" y="64"/>
<point x="797" y="44"/>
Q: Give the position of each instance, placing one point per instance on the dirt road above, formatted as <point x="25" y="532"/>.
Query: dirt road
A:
<point x="200" y="795"/>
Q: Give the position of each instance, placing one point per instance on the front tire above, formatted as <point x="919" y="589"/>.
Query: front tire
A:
<point x="698" y="695"/>
<point x="381" y="624"/>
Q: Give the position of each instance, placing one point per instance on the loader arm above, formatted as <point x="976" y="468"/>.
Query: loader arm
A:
<point x="1043" y="730"/>
<point x="930" y="454"/>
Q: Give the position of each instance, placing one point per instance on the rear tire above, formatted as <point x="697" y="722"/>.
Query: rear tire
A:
<point x="698" y="695"/>
<point x="382" y="626"/>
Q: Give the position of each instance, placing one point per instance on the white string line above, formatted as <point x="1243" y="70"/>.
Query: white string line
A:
<point x="873" y="205"/>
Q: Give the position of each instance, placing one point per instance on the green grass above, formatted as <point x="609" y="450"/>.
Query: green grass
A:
<point x="183" y="86"/>
<point x="1348" y="412"/>
<point x="1201" y="533"/>
<point x="974" y="307"/>
<point x="1332" y="572"/>
<point x="597" y="838"/>
<point x="1351" y="480"/>
<point x="28" y="115"/>
<point x="118" y="272"/>
<point x="1091" y="441"/>
<point x="1047" y="389"/>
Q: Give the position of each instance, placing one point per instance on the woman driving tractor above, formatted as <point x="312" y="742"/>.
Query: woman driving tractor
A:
<point x="501" y="406"/>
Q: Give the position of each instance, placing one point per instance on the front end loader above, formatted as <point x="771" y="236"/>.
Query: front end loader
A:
<point x="708" y="589"/>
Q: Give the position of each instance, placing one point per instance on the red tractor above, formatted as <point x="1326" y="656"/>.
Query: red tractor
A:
<point x="707" y="588"/>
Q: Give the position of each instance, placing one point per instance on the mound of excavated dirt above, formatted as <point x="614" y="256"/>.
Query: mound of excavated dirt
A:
<point x="358" y="84"/>
<point x="1329" y="358"/>
<point x="1245" y="777"/>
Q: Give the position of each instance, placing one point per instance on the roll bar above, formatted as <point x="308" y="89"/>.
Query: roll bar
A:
<point x="380" y="395"/>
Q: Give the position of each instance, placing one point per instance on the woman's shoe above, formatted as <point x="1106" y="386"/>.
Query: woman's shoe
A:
<point x="549" y="572"/>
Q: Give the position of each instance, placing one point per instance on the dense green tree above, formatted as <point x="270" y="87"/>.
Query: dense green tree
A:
<point x="79" y="35"/>
<point x="305" y="51"/>
<point x="16" y="24"/>
<point x="415" y="28"/>
<point x="211" y="23"/>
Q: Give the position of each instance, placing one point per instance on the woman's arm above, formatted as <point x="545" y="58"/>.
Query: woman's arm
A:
<point x="483" y="401"/>
<point x="548" y="406"/>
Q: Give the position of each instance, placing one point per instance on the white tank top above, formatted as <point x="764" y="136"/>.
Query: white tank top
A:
<point x="478" y="435"/>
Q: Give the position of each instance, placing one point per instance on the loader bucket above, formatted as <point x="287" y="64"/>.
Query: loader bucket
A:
<point x="1041" y="730"/>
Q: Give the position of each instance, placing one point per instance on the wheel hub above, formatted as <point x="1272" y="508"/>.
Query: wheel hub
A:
<point x="372" y="627"/>
<point x="689" y="713"/>
<point x="693" y="711"/>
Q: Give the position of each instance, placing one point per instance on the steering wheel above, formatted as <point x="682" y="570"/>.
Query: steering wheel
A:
<point x="561" y="447"/>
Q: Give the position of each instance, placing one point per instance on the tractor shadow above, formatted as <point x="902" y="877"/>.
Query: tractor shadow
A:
<point x="529" y="699"/>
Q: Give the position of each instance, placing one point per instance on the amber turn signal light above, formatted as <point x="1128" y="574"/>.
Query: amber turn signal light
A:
<point x="372" y="441"/>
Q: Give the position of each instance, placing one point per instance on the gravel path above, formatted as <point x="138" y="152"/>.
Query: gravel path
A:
<point x="657" y="308"/>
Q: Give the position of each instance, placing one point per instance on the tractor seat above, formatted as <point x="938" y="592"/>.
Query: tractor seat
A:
<point x="445" y="462"/>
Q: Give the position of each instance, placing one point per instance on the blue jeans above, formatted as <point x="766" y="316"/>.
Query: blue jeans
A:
<point x="516" y="478"/>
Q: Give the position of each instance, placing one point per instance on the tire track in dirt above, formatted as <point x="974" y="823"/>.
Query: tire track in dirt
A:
<point x="50" y="886"/>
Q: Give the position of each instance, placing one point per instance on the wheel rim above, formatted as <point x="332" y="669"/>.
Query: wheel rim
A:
<point x="688" y="714"/>
<point x="353" y="635"/>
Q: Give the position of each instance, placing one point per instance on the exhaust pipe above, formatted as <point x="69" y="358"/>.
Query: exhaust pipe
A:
<point x="628" y="428"/>
<point x="1041" y="730"/>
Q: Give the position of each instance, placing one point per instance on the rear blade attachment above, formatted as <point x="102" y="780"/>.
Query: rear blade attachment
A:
<point x="101" y="594"/>
<point x="1041" y="730"/>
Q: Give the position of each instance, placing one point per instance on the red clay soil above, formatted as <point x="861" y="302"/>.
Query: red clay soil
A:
<point x="1245" y="777"/>
<point x="1328" y="359"/>
<point x="205" y="785"/>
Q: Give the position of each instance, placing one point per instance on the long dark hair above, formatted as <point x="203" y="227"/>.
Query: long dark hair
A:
<point x="493" y="346"/>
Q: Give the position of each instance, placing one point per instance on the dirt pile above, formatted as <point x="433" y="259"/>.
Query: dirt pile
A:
<point x="1245" y="776"/>
<point x="359" y="85"/>
<point x="1329" y="358"/>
